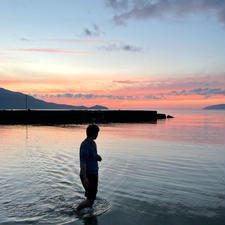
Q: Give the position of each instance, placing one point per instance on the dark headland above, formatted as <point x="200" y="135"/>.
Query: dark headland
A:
<point x="17" y="100"/>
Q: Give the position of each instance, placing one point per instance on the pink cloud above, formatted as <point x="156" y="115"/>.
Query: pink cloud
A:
<point x="142" y="85"/>
<point x="46" y="50"/>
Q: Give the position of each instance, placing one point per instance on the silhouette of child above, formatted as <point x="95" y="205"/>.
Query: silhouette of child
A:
<point x="89" y="166"/>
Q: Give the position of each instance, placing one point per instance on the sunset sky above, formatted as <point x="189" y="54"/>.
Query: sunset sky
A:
<point x="138" y="54"/>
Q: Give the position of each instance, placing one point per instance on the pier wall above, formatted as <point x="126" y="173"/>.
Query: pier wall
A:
<point x="77" y="116"/>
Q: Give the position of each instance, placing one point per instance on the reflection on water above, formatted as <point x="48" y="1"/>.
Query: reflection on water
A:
<point x="172" y="172"/>
<point x="192" y="128"/>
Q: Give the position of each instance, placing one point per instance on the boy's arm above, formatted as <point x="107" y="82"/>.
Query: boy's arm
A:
<point x="84" y="174"/>
<point x="83" y="162"/>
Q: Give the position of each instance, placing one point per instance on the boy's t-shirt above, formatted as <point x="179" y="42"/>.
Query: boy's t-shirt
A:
<point x="88" y="156"/>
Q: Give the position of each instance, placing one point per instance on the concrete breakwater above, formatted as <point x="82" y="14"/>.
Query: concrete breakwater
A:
<point x="78" y="116"/>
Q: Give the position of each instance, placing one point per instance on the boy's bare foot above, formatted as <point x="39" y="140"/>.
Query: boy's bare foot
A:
<point x="85" y="204"/>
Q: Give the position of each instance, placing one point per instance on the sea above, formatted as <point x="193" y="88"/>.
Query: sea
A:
<point x="167" y="173"/>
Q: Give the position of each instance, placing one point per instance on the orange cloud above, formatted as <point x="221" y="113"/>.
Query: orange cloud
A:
<point x="126" y="81"/>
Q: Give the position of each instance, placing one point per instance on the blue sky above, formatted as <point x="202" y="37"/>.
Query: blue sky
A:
<point x="94" y="43"/>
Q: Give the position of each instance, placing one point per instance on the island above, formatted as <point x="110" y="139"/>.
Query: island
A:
<point x="215" y="107"/>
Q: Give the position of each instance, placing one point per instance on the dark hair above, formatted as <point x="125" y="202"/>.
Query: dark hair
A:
<point x="92" y="130"/>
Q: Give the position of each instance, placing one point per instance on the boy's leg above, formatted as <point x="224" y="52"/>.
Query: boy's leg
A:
<point x="90" y="192"/>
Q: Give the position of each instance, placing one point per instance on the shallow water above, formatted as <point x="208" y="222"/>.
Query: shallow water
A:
<point x="172" y="172"/>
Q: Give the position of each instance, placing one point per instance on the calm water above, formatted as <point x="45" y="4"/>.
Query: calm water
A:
<point x="169" y="173"/>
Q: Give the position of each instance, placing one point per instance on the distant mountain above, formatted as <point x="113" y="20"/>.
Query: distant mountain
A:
<point x="17" y="100"/>
<point x="216" y="107"/>
<point x="98" y="107"/>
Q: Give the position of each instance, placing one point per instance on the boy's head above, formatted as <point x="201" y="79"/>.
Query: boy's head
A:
<point x="92" y="131"/>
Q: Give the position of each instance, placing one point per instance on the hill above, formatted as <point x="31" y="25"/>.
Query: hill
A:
<point x="215" y="107"/>
<point x="16" y="100"/>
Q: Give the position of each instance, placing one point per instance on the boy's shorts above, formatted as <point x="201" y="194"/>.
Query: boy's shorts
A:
<point x="92" y="189"/>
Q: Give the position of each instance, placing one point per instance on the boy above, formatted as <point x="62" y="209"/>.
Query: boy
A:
<point x="89" y="166"/>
